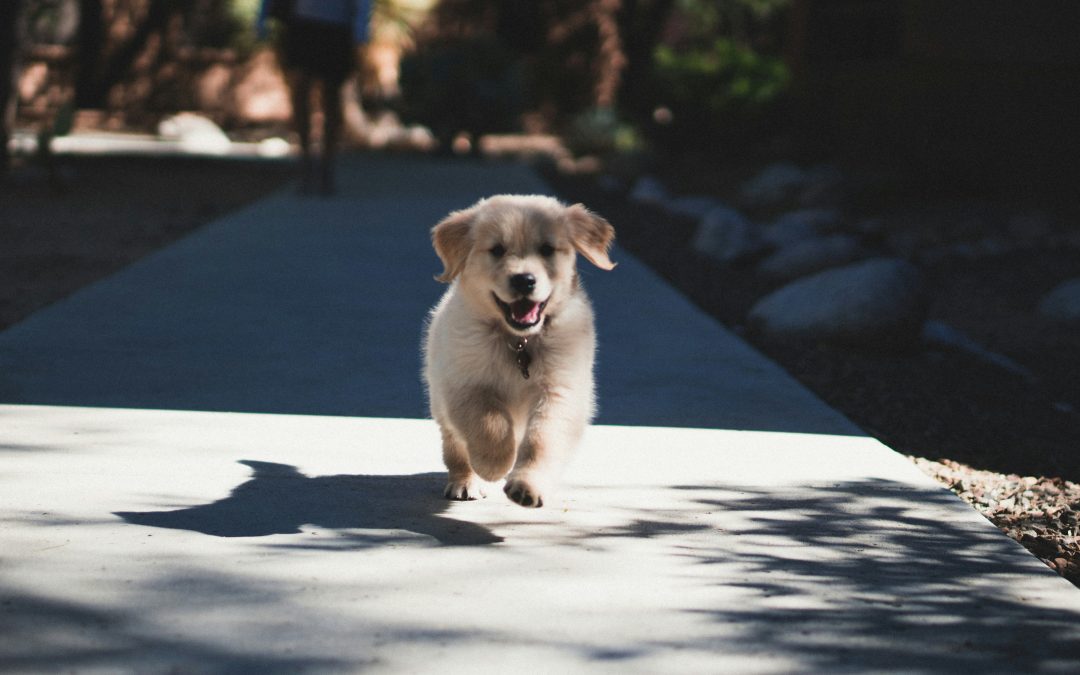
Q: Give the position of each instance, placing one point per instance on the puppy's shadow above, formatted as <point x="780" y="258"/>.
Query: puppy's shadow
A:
<point x="370" y="510"/>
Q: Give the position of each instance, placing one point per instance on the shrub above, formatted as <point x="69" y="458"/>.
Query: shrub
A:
<point x="717" y="87"/>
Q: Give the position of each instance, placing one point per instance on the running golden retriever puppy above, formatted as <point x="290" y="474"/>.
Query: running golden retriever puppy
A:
<point x="508" y="354"/>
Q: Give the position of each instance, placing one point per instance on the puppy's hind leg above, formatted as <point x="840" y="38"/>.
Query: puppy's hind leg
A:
<point x="462" y="483"/>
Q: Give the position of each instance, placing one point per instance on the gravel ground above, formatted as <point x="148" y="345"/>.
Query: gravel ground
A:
<point x="1040" y="513"/>
<point x="1006" y="443"/>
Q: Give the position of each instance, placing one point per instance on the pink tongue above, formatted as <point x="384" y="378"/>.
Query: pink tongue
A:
<point x="525" y="311"/>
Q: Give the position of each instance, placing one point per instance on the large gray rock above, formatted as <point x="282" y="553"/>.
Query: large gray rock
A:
<point x="881" y="301"/>
<point x="725" y="235"/>
<point x="1062" y="303"/>
<point x="773" y="185"/>
<point x="811" y="255"/>
<point x="692" y="206"/>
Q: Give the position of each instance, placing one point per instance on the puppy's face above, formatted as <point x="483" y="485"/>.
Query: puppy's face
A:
<point x="514" y="256"/>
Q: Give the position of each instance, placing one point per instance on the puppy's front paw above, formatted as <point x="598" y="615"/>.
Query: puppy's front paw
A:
<point x="464" y="490"/>
<point x="524" y="492"/>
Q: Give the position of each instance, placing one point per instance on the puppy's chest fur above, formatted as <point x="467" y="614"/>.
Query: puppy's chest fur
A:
<point x="500" y="361"/>
<point x="468" y="351"/>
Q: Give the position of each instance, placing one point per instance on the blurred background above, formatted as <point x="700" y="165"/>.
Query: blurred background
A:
<point x="975" y="92"/>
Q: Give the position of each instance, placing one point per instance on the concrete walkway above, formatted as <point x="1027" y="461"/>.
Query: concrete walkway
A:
<point x="216" y="461"/>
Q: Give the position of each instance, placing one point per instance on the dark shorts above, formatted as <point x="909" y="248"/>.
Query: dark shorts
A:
<point x="320" y="49"/>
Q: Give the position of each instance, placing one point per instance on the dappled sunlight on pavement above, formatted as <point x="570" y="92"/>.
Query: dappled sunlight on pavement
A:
<point x="146" y="537"/>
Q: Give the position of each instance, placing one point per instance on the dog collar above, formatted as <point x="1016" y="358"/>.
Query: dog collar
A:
<point x="522" y="357"/>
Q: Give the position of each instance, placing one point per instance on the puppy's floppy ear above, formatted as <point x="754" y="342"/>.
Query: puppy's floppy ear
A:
<point x="591" y="235"/>
<point x="452" y="242"/>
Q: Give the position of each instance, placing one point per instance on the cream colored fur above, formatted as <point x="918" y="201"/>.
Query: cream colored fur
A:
<point x="495" y="422"/>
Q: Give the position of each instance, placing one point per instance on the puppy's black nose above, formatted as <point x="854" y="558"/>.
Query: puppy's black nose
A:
<point x="523" y="283"/>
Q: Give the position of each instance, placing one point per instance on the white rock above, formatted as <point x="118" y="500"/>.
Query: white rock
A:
<point x="693" y="206"/>
<point x="274" y="147"/>
<point x="195" y="134"/>
<point x="1062" y="303"/>
<point x="649" y="190"/>
<point x="418" y="137"/>
<point x="811" y="255"/>
<point x="726" y="235"/>
<point x="879" y="301"/>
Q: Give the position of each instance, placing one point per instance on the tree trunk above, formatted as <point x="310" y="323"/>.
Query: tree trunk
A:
<point x="641" y="25"/>
<point x="102" y="73"/>
<point x="91" y="47"/>
<point x="610" y="57"/>
<point x="9" y="12"/>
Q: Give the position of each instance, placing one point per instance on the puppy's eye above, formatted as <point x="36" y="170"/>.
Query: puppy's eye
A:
<point x="547" y="250"/>
<point x="497" y="251"/>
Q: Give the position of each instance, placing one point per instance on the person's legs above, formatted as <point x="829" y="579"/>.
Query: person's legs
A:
<point x="332" y="124"/>
<point x="320" y="57"/>
<point x="300" y="83"/>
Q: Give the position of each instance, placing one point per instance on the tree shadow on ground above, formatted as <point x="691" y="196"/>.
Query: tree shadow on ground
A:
<point x="863" y="575"/>
<point x="363" y="510"/>
<point x="48" y="634"/>
<point x="868" y="575"/>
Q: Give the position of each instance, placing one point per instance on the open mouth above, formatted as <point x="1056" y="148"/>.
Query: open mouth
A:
<point x="521" y="314"/>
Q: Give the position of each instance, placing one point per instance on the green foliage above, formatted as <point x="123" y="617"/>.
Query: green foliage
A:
<point x="395" y="21"/>
<point x="718" y="75"/>
<point x="241" y="16"/>
<point x="708" y="18"/>
<point x="718" y="80"/>
<point x="600" y="131"/>
<point x="49" y="21"/>
<point x="245" y="11"/>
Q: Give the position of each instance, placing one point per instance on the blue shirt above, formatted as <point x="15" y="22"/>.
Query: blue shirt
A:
<point x="355" y="13"/>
